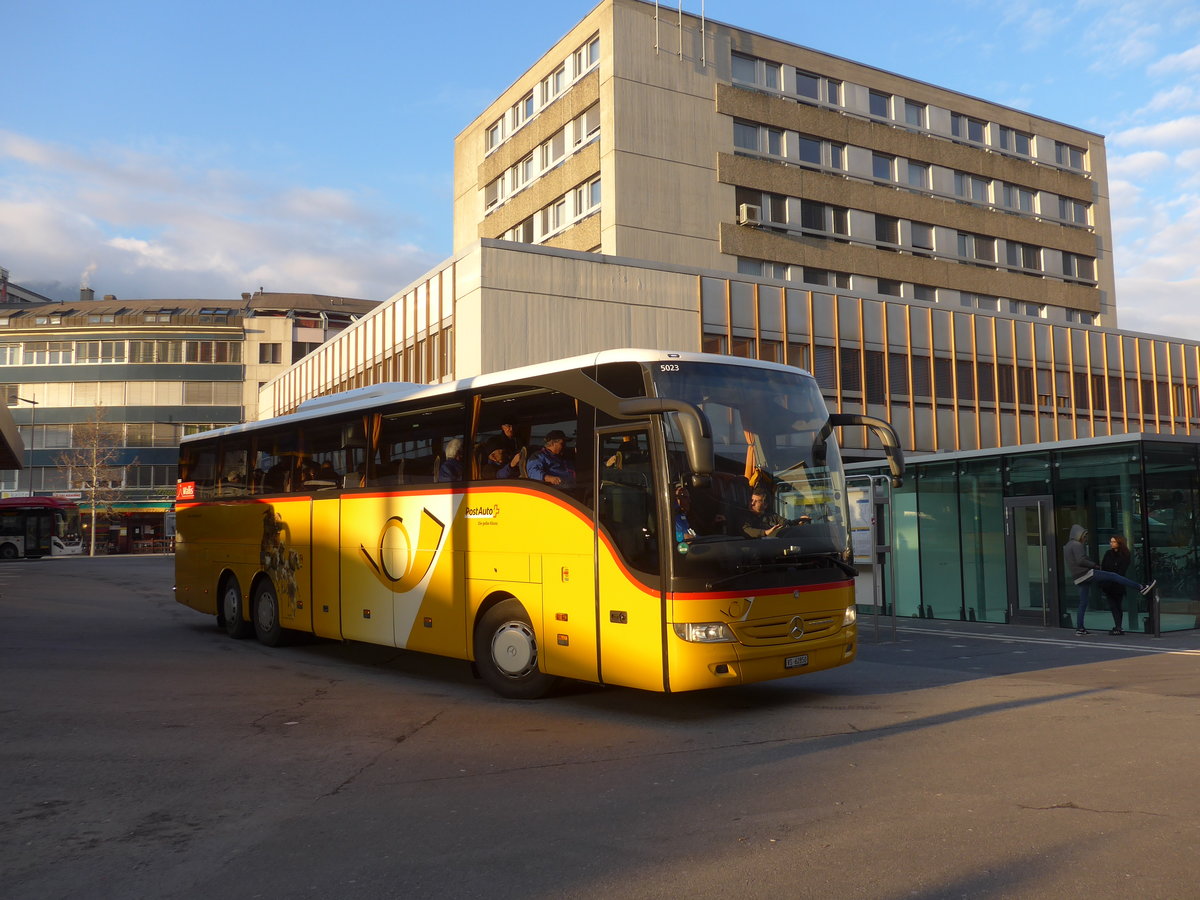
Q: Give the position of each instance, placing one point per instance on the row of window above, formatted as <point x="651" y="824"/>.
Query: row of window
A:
<point x="891" y="288"/>
<point x="869" y="373"/>
<point x="580" y="201"/>
<point x="574" y="135"/>
<point x="119" y="393"/>
<point x="809" y="87"/>
<point x="115" y="434"/>
<point x="574" y="67"/>
<point x="41" y="353"/>
<point x="61" y="478"/>
<point x="818" y="153"/>
<point x="810" y="218"/>
<point x="158" y="317"/>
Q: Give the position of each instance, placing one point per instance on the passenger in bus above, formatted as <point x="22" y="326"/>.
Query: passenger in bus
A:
<point x="549" y="465"/>
<point x="499" y="461"/>
<point x="451" y="468"/>
<point x="508" y="439"/>
<point x="761" y="521"/>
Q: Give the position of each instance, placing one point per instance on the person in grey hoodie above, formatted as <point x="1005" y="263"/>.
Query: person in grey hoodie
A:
<point x="1085" y="572"/>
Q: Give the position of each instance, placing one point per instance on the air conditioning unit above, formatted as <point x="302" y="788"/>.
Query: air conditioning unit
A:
<point x="749" y="214"/>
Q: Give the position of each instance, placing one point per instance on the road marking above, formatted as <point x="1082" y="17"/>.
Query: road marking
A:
<point x="1054" y="642"/>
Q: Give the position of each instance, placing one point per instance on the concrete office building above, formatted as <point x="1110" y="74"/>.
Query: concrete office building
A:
<point x="157" y="369"/>
<point x="934" y="259"/>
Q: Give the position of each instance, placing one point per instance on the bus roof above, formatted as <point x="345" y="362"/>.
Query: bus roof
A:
<point x="36" y="502"/>
<point x="388" y="392"/>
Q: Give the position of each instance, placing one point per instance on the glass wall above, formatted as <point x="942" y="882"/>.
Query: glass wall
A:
<point x="1096" y="487"/>
<point x="981" y="506"/>
<point x="1166" y="547"/>
<point x="950" y="555"/>
<point x="940" y="532"/>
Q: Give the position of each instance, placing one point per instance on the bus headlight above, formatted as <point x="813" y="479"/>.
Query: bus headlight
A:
<point x="851" y="615"/>
<point x="704" y="632"/>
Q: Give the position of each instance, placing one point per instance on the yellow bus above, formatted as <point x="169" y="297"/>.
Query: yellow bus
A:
<point x="585" y="519"/>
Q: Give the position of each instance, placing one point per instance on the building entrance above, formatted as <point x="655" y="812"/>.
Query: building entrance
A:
<point x="1032" y="560"/>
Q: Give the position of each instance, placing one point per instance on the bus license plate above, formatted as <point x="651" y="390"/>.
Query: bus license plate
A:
<point x="795" y="662"/>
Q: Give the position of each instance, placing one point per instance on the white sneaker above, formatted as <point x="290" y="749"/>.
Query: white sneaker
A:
<point x="1147" y="588"/>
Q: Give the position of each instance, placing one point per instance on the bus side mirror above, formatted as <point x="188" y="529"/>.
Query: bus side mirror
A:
<point x="881" y="429"/>
<point x="693" y="426"/>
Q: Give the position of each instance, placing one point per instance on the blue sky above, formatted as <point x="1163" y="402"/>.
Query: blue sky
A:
<point x="191" y="149"/>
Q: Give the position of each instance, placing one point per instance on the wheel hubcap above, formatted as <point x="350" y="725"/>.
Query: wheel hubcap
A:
<point x="231" y="603"/>
<point x="514" y="650"/>
<point x="266" y="611"/>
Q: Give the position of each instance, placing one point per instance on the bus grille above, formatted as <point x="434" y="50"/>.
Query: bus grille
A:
<point x="785" y="630"/>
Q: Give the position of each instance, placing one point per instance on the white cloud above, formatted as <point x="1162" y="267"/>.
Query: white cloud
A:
<point x="1187" y="61"/>
<point x="138" y="224"/>
<point x="1185" y="130"/>
<point x="1138" y="165"/>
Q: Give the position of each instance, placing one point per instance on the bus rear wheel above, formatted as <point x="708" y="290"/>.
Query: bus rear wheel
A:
<point x="8" y="551"/>
<point x="231" y="615"/>
<point x="265" y="611"/>
<point x="506" y="653"/>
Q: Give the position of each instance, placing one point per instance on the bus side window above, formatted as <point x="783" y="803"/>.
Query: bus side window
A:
<point x="626" y="507"/>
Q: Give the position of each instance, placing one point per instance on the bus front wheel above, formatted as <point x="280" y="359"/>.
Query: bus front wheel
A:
<point x="266" y="615"/>
<point x="506" y="653"/>
<point x="8" y="551"/>
<point x="231" y="615"/>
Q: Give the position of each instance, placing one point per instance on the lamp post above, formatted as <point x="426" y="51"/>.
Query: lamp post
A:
<point x="29" y="449"/>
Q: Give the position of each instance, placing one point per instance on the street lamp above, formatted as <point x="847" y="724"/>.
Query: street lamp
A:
<point x="29" y="449"/>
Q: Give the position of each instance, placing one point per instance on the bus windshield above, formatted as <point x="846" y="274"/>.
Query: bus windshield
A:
<point x="776" y="500"/>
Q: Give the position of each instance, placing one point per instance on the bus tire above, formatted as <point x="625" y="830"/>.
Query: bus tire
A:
<point x="264" y="610"/>
<point x="506" y="653"/>
<point x="231" y="615"/>
<point x="8" y="551"/>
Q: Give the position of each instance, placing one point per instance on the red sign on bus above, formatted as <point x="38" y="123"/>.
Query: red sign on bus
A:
<point x="185" y="490"/>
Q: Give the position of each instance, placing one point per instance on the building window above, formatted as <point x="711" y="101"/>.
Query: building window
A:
<point x="918" y="175"/>
<point x="972" y="188"/>
<point x="888" y="287"/>
<point x="270" y="354"/>
<point x="1068" y="156"/>
<point x="552" y="84"/>
<point x="925" y="292"/>
<point x="1081" y="317"/>
<point x="1025" y="308"/>
<point x="494" y="135"/>
<point x="1015" y="141"/>
<point x="42" y="353"/>
<point x="1018" y="198"/>
<point x="810" y="150"/>
<point x="1077" y="267"/>
<point x="808" y="85"/>
<point x="745" y="135"/>
<point x="491" y="194"/>
<point x="10" y="354"/>
<point x="587" y="56"/>
<point x="887" y="231"/>
<point x="880" y="104"/>
<point x="100" y="351"/>
<point x="967" y="129"/>
<point x="1074" y="211"/>
<point x="751" y="70"/>
<point x="977" y="249"/>
<point x="914" y="114"/>
<point x="1024" y="256"/>
<point x="922" y="239"/>
<point x="883" y="167"/>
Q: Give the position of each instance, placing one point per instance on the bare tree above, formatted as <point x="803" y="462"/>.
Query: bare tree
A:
<point x="93" y="466"/>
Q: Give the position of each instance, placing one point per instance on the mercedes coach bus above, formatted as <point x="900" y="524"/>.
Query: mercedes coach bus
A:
<point x="663" y="521"/>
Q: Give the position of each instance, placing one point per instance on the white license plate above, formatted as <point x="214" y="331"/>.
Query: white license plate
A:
<point x="795" y="662"/>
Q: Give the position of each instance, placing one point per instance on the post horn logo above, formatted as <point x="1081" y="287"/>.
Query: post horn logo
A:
<point x="399" y="565"/>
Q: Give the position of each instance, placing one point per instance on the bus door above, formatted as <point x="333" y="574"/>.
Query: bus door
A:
<point x="629" y="610"/>
<point x="286" y="554"/>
